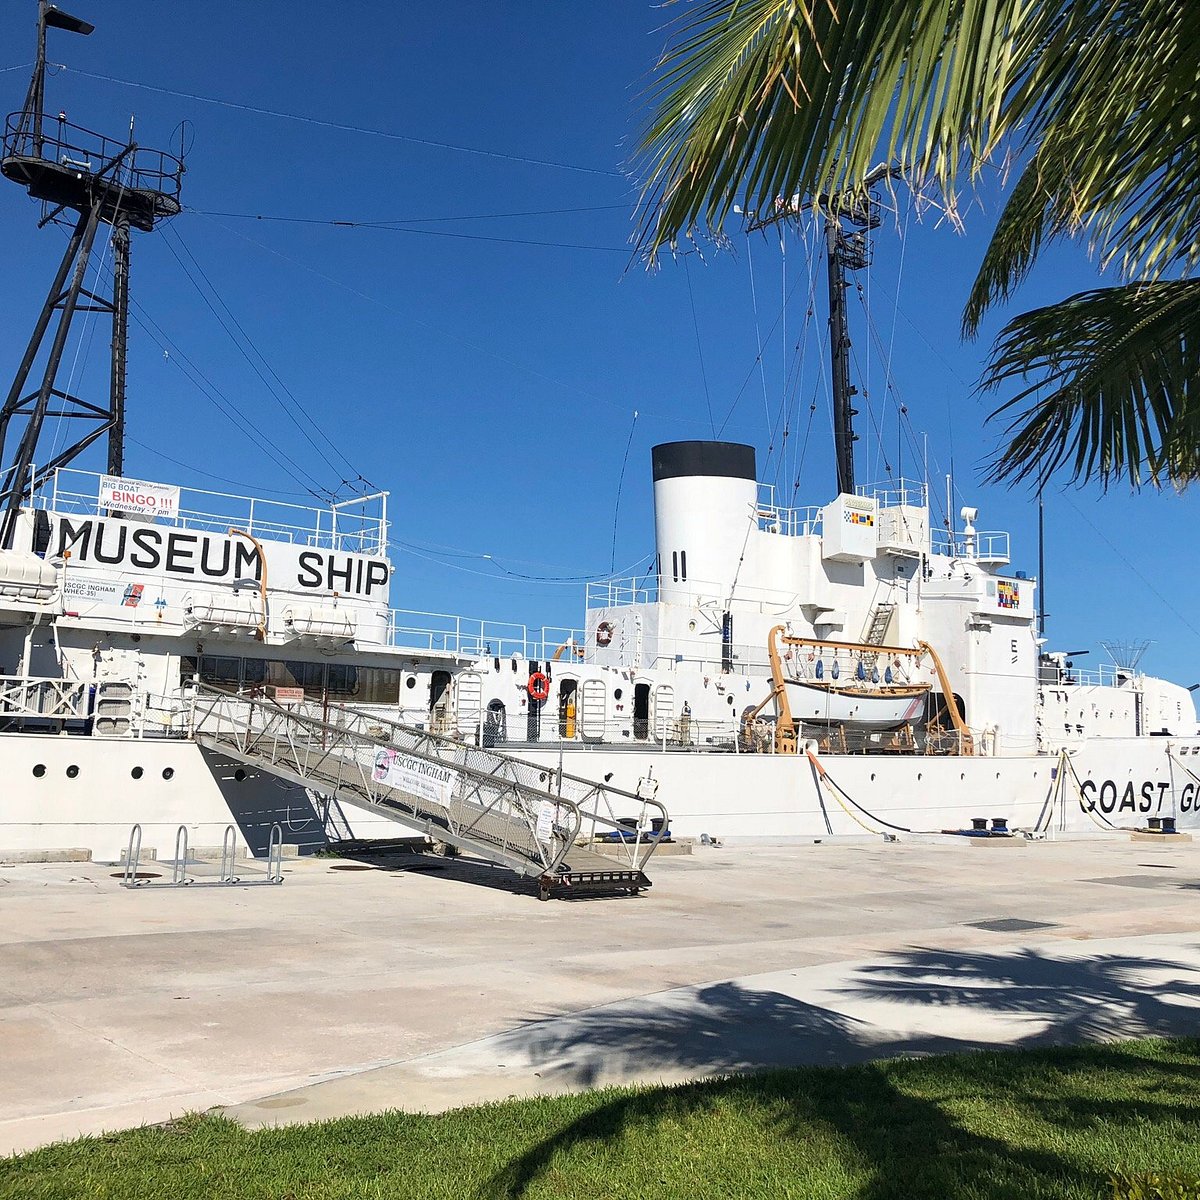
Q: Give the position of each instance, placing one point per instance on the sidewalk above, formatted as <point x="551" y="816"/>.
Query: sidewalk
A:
<point x="428" y="984"/>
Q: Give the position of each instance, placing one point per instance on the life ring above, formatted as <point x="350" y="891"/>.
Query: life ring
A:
<point x="604" y="633"/>
<point x="538" y="686"/>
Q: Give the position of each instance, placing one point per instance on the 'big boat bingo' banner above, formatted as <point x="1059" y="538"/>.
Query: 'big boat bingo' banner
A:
<point x="139" y="497"/>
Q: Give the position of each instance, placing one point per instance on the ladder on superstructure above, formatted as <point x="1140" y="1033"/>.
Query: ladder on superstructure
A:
<point x="537" y="821"/>
<point x="878" y="623"/>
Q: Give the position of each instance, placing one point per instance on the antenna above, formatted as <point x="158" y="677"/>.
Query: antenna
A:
<point x="1127" y="654"/>
<point x="101" y="181"/>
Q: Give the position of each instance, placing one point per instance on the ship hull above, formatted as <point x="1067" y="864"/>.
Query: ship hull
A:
<point x="1122" y="784"/>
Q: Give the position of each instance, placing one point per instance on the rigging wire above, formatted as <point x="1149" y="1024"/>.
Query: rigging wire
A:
<point x="620" y="484"/>
<point x="469" y="237"/>
<point x="238" y="483"/>
<point x="762" y="370"/>
<point x="389" y="222"/>
<point x="178" y="358"/>
<point x="555" y="580"/>
<point x="296" y="405"/>
<point x="750" y="373"/>
<point x="345" y="127"/>
<point x="595" y="397"/>
<point x="699" y="348"/>
<point x="1063" y="492"/>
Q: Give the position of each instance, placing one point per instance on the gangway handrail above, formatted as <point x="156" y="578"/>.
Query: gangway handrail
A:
<point x="496" y="806"/>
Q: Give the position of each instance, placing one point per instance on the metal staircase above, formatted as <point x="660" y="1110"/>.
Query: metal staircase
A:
<point x="536" y="821"/>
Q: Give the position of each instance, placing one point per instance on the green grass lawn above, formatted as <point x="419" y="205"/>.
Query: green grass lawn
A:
<point x="1018" y="1126"/>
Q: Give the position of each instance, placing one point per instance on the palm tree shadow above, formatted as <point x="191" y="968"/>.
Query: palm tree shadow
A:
<point x="726" y="1030"/>
<point x="1096" y="998"/>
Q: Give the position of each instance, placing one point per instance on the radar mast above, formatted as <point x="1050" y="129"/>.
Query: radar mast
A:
<point x="83" y="180"/>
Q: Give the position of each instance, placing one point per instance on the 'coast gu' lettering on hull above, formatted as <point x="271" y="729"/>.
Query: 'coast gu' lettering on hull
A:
<point x="1109" y="796"/>
<point x="214" y="557"/>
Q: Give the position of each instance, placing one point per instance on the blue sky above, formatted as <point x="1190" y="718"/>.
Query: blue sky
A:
<point x="488" y="383"/>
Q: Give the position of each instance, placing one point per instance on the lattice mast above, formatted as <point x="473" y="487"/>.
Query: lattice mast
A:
<point x="83" y="180"/>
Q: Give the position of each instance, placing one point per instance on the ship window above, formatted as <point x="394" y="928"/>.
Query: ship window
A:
<point x="309" y="676"/>
<point x="683" y="564"/>
<point x="220" y="671"/>
<point x="136" y="773"/>
<point x="254" y="671"/>
<point x="675" y="565"/>
<point x="364" y="685"/>
<point x="72" y="771"/>
<point x="39" y="770"/>
<point x="342" y="680"/>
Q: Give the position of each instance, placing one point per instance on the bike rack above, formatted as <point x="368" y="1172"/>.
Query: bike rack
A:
<point x="228" y="876"/>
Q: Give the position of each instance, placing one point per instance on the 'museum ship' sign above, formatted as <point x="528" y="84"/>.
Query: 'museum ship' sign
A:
<point x="181" y="556"/>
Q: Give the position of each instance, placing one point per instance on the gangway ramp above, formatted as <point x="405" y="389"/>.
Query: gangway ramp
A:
<point x="539" y="822"/>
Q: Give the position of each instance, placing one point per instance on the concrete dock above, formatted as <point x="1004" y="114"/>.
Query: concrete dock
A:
<point x="424" y="984"/>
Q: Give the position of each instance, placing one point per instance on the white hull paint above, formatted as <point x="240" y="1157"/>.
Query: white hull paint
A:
<point x="727" y="796"/>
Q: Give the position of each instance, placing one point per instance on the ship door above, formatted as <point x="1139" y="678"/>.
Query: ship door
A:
<point x="495" y="724"/>
<point x="568" y="708"/>
<point x="439" y="700"/>
<point x="641" y="711"/>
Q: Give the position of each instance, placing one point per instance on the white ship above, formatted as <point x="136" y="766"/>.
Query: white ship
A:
<point x="178" y="658"/>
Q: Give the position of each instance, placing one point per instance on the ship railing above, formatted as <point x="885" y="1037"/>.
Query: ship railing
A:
<point x="618" y="593"/>
<point x="772" y="517"/>
<point x="894" y="493"/>
<point x="1101" y="675"/>
<point x="475" y="637"/>
<point x="675" y="732"/>
<point x="43" y="699"/>
<point x="358" y="525"/>
<point x="987" y="546"/>
<point x="72" y="146"/>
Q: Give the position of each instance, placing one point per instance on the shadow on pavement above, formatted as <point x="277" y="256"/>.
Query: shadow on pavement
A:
<point x="727" y="1029"/>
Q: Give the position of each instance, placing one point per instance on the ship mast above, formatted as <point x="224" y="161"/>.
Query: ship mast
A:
<point x="848" y="217"/>
<point x="83" y="180"/>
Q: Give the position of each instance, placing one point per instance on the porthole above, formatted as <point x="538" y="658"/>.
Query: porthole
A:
<point x="239" y="774"/>
<point x="39" y="770"/>
<point x="411" y="682"/>
<point x="872" y="776"/>
<point x="617" y="693"/>
<point x="730" y="699"/>
<point x="136" y="773"/>
<point x="72" y="771"/>
<point x="168" y="772"/>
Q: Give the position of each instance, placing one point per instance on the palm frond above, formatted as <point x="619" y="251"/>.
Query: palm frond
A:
<point x="1109" y="386"/>
<point x="767" y="99"/>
